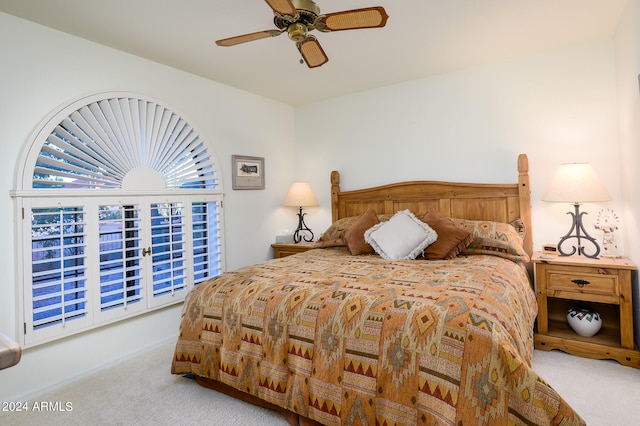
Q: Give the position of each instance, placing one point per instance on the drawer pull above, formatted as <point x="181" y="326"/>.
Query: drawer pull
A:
<point x="580" y="283"/>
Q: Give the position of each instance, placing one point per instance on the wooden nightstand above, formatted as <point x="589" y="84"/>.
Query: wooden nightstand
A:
<point x="605" y="285"/>
<point x="283" y="250"/>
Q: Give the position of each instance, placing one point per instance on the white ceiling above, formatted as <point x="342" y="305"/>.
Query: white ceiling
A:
<point x="422" y="38"/>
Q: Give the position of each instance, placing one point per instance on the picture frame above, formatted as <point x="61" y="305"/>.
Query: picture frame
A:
<point x="247" y="172"/>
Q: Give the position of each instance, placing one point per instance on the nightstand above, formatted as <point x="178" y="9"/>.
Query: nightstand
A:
<point x="603" y="284"/>
<point x="283" y="250"/>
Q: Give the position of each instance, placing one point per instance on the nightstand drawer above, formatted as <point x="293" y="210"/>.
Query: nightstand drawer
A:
<point x="583" y="282"/>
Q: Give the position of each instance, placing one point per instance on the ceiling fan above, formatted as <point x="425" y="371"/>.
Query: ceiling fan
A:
<point x="299" y="17"/>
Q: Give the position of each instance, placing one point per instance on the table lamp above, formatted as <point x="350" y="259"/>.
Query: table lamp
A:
<point x="300" y="195"/>
<point x="577" y="183"/>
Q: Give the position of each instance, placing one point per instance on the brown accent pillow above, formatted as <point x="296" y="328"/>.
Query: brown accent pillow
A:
<point x="452" y="239"/>
<point x="354" y="234"/>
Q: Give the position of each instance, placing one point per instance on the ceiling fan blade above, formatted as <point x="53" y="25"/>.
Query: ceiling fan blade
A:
<point x="283" y="7"/>
<point x="312" y="52"/>
<point x="369" y="17"/>
<point x="232" y="41"/>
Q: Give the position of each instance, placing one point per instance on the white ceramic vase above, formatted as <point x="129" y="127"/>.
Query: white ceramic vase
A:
<point x="584" y="320"/>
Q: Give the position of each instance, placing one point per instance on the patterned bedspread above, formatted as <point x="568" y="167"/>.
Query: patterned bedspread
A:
<point x="351" y="340"/>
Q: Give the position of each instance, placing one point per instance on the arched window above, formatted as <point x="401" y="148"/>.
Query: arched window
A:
<point x="119" y="212"/>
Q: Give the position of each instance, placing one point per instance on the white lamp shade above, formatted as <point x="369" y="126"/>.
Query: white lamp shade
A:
<point x="300" y="195"/>
<point x="576" y="183"/>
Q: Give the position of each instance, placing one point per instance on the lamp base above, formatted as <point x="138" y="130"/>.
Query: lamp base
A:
<point x="303" y="232"/>
<point x="580" y="234"/>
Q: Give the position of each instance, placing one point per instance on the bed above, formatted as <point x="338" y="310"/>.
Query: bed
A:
<point x="348" y="334"/>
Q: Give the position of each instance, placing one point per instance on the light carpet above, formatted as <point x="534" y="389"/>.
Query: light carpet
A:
<point x="142" y="391"/>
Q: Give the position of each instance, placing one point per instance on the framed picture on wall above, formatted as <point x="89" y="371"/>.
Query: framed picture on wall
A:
<point x="247" y="172"/>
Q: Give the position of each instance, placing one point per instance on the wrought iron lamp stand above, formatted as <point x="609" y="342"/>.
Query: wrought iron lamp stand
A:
<point x="580" y="234"/>
<point x="303" y="230"/>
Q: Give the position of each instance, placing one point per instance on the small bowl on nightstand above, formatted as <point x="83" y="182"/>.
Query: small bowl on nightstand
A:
<point x="584" y="321"/>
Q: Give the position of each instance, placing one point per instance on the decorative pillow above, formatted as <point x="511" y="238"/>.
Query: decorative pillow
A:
<point x="452" y="239"/>
<point x="334" y="235"/>
<point x="354" y="234"/>
<point x="494" y="238"/>
<point x="404" y="236"/>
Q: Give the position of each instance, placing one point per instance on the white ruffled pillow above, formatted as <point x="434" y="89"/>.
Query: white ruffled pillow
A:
<point x="404" y="236"/>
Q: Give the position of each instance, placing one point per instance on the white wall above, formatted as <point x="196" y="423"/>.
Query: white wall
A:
<point x="43" y="69"/>
<point x="471" y="125"/>
<point x="627" y="44"/>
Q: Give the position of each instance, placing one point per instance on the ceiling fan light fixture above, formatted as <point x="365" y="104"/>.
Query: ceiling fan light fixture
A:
<point x="297" y="32"/>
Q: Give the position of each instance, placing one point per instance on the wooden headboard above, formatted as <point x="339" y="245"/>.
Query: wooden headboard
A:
<point x="473" y="201"/>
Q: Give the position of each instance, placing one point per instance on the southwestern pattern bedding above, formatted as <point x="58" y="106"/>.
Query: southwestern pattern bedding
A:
<point x="359" y="340"/>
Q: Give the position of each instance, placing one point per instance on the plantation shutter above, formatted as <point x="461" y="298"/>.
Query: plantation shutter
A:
<point x="122" y="214"/>
<point x="97" y="145"/>
<point x="206" y="229"/>
<point x="168" y="250"/>
<point x="120" y="237"/>
<point x="58" y="293"/>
